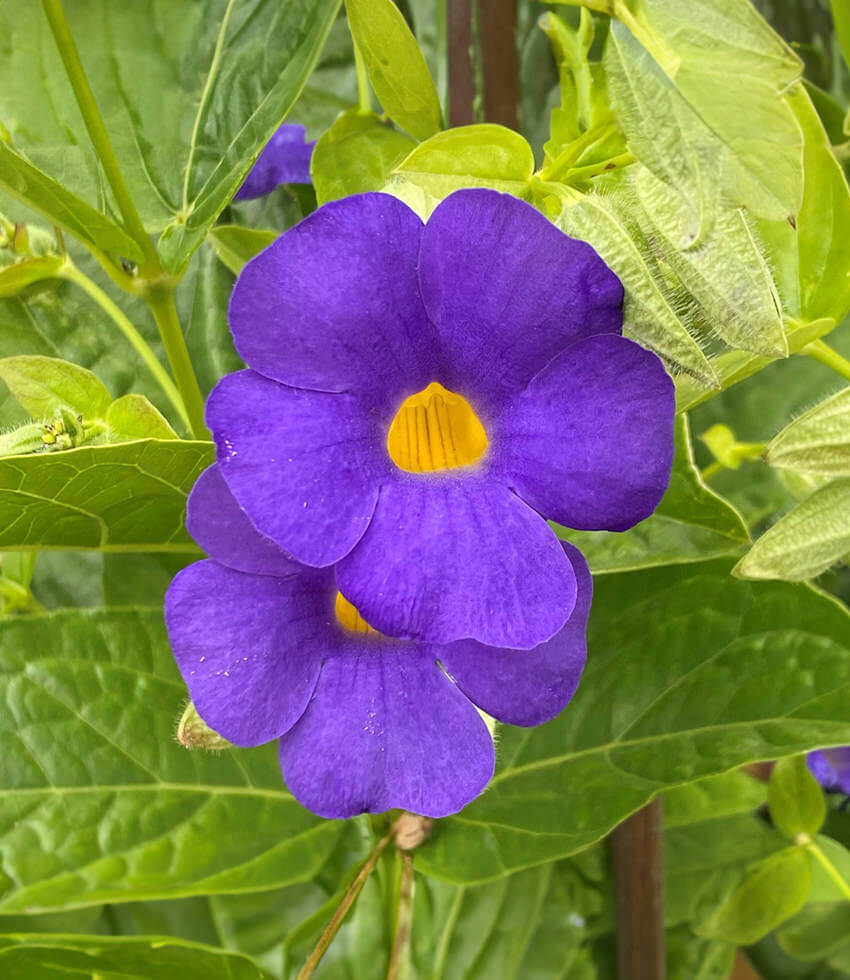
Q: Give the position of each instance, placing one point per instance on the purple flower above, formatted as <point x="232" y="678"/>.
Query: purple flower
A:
<point x="831" y="768"/>
<point x="432" y="500"/>
<point x="367" y="723"/>
<point x="285" y="159"/>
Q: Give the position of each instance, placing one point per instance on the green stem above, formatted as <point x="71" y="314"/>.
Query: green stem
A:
<point x="364" y="93"/>
<point x="822" y="352"/>
<point x="165" y="313"/>
<point x="71" y="273"/>
<point x="98" y="134"/>
<point x="404" y="920"/>
<point x="712" y="470"/>
<point x="827" y="865"/>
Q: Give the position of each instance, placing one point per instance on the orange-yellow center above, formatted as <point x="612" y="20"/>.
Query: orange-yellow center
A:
<point x="435" y="429"/>
<point x="349" y="618"/>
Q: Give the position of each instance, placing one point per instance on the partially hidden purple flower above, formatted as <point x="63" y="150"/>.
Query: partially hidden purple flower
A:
<point x="366" y="722"/>
<point x="285" y="159"/>
<point x="831" y="768"/>
<point x="420" y="399"/>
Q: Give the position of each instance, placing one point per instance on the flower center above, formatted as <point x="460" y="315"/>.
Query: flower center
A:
<point x="435" y="429"/>
<point x="349" y="618"/>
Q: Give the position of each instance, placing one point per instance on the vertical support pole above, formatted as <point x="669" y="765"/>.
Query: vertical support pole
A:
<point x="639" y="882"/>
<point x="461" y="62"/>
<point x="500" y="59"/>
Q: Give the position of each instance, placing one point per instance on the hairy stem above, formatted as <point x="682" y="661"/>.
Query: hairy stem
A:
<point x="71" y="273"/>
<point x="404" y="919"/>
<point x="348" y="899"/>
<point x="822" y="352"/>
<point x="165" y="313"/>
<point x="98" y="134"/>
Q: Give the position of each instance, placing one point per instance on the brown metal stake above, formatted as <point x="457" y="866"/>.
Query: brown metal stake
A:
<point x="461" y="65"/>
<point x="500" y="60"/>
<point x="639" y="881"/>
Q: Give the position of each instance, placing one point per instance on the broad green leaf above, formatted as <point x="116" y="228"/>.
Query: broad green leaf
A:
<point x="841" y="19"/>
<point x="44" y="384"/>
<point x="709" y="799"/>
<point x="817" y="931"/>
<point x="110" y="497"/>
<point x="816" y="442"/>
<point x="806" y="541"/>
<point x="16" y="277"/>
<point x="133" y="417"/>
<point x="796" y="801"/>
<point x="58" y="204"/>
<point x="235" y="245"/>
<point x="396" y="67"/>
<point x="770" y="894"/>
<point x="651" y="316"/>
<point x="355" y="155"/>
<point x="811" y="258"/>
<point x="678" y="657"/>
<point x="825" y="888"/>
<point x="100" y="804"/>
<point x="189" y="94"/>
<point x="692" y="523"/>
<point x="481" y="155"/>
<point x="53" y="956"/>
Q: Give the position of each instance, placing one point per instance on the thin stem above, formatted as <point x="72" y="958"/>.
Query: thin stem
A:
<point x="364" y="93"/>
<point x="712" y="470"/>
<point x="71" y="273"/>
<point x="165" y="313"/>
<point x="404" y="919"/>
<point x="826" y="864"/>
<point x="348" y="899"/>
<point x="822" y="352"/>
<point x="216" y="59"/>
<point x="97" y="131"/>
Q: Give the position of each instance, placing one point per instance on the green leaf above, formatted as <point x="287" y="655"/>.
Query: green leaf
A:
<point x="770" y="894"/>
<point x="235" y="245"/>
<point x="59" y="205"/>
<point x="109" y="497"/>
<point x="810" y="538"/>
<point x="396" y="67"/>
<point x="795" y="799"/>
<point x="678" y="656"/>
<point x="817" y="931"/>
<point x="16" y="277"/>
<point x="42" y="385"/>
<point x="133" y="417"/>
<point x="100" y="804"/>
<point x="52" y="956"/>
<point x="355" y="155"/>
<point x="482" y="155"/>
<point x="692" y="523"/>
<point x="711" y="798"/>
<point x="841" y="19"/>
<point x="817" y="441"/>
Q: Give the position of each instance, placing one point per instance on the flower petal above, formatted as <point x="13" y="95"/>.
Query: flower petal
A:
<point x="831" y="768"/>
<point x="589" y="443"/>
<point x="285" y="159"/>
<point x="526" y="687"/>
<point x="507" y="291"/>
<point x="334" y="303"/>
<point x="449" y="558"/>
<point x="386" y="729"/>
<point x="248" y="646"/>
<point x="304" y="465"/>
<point x="220" y="526"/>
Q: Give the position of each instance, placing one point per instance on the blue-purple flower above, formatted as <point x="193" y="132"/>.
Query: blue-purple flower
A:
<point x="366" y="722"/>
<point x="285" y="159"/>
<point x="420" y="399"/>
<point x="831" y="768"/>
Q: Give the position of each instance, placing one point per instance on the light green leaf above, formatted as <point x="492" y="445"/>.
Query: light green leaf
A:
<point x="42" y="385"/>
<point x="54" y="956"/>
<point x="817" y="931"/>
<point x="770" y="894"/>
<point x="236" y="245"/>
<point x="396" y="67"/>
<point x="110" y="497"/>
<point x="709" y="799"/>
<point x="58" y="204"/>
<point x="482" y="155"/>
<point x="692" y="523"/>
<point x="355" y="155"/>
<point x="133" y="417"/>
<point x="19" y="275"/>
<point x="811" y="537"/>
<point x="100" y="804"/>
<point x="795" y="799"/>
<point x="678" y="657"/>
<point x="608" y="223"/>
<point x="841" y="19"/>
<point x="817" y="441"/>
